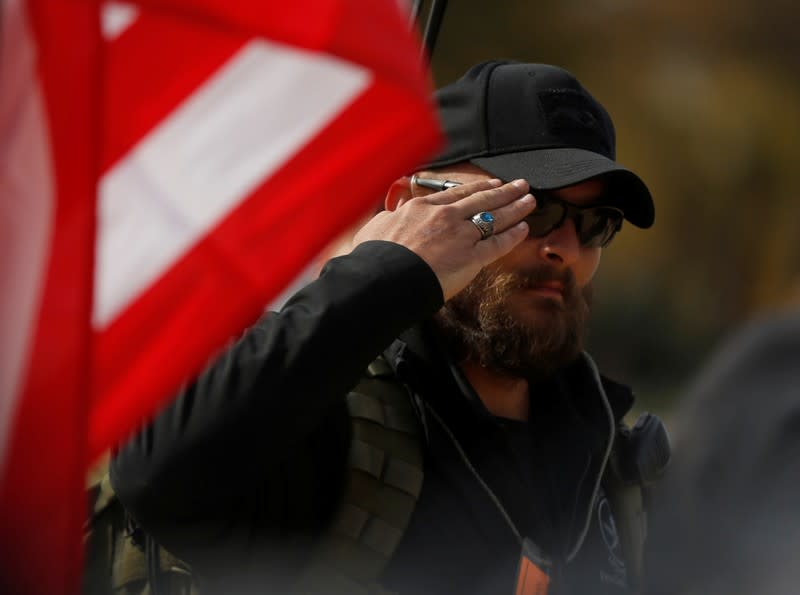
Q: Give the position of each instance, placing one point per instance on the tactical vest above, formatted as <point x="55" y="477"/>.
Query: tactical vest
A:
<point x="384" y="481"/>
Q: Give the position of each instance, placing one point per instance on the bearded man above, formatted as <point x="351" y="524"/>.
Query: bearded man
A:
<point x="422" y="418"/>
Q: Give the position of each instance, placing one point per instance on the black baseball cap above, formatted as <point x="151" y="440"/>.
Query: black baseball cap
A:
<point x="536" y="122"/>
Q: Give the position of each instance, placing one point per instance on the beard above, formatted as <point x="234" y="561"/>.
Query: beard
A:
<point x="494" y="322"/>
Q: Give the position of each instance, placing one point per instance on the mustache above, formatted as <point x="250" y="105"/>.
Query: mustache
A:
<point x="535" y="276"/>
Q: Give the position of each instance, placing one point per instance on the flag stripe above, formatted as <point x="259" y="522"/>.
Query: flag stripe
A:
<point x="151" y="68"/>
<point x="207" y="157"/>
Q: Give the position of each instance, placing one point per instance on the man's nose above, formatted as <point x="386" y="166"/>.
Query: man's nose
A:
<point x="561" y="246"/>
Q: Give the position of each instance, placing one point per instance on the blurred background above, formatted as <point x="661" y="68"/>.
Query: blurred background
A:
<point x="706" y="101"/>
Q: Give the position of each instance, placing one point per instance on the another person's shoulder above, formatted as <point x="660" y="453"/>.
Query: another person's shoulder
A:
<point x="728" y="520"/>
<point x="764" y="345"/>
<point x="756" y="370"/>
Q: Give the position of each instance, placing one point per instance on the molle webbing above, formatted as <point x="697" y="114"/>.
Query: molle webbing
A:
<point x="385" y="472"/>
<point x="121" y="559"/>
<point x="384" y="483"/>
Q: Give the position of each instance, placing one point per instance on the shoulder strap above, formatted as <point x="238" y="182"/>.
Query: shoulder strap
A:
<point x="638" y="460"/>
<point x="383" y="486"/>
<point x="627" y="504"/>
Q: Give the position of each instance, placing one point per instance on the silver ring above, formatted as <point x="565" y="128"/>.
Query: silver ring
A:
<point x="484" y="221"/>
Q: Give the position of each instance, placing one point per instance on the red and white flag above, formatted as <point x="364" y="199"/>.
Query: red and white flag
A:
<point x="167" y="167"/>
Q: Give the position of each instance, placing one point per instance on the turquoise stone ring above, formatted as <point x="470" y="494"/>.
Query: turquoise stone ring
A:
<point x="484" y="221"/>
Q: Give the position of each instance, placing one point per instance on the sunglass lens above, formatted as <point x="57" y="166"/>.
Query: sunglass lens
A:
<point x="598" y="226"/>
<point x="545" y="218"/>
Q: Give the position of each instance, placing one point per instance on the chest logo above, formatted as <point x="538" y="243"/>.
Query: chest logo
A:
<point x="609" y="533"/>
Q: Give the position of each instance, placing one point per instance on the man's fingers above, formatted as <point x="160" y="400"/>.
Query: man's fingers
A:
<point x="489" y="200"/>
<point x="458" y="193"/>
<point x="511" y="214"/>
<point x="505" y="202"/>
<point x="500" y="244"/>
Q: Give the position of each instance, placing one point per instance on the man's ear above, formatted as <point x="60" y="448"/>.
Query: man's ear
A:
<point x="398" y="194"/>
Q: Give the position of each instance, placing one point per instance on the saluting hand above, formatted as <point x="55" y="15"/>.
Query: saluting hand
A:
<point x="438" y="229"/>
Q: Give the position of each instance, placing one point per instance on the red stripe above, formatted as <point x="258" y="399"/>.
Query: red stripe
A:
<point x="373" y="34"/>
<point x="42" y="504"/>
<point x="302" y="23"/>
<point x="223" y="283"/>
<point x="152" y="68"/>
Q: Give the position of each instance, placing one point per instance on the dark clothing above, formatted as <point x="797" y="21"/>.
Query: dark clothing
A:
<point x="544" y="473"/>
<point x="243" y="472"/>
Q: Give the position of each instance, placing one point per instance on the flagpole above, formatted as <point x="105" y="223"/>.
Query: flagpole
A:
<point x="435" y="17"/>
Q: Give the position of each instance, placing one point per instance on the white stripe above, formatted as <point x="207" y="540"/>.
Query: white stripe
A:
<point x="26" y="209"/>
<point x="116" y="18"/>
<point x="243" y="124"/>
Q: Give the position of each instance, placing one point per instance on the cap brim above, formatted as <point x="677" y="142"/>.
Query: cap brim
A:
<point x="547" y="169"/>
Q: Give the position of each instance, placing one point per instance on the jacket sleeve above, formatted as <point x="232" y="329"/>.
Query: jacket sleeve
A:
<point x="204" y="464"/>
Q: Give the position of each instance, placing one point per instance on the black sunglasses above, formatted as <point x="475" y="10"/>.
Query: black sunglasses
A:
<point x="595" y="226"/>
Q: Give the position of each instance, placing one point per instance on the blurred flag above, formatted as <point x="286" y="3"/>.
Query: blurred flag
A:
<point x="166" y="167"/>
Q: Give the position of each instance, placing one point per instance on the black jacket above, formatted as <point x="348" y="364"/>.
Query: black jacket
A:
<point x="243" y="471"/>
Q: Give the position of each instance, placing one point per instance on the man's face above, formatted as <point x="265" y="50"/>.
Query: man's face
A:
<point x="526" y="314"/>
